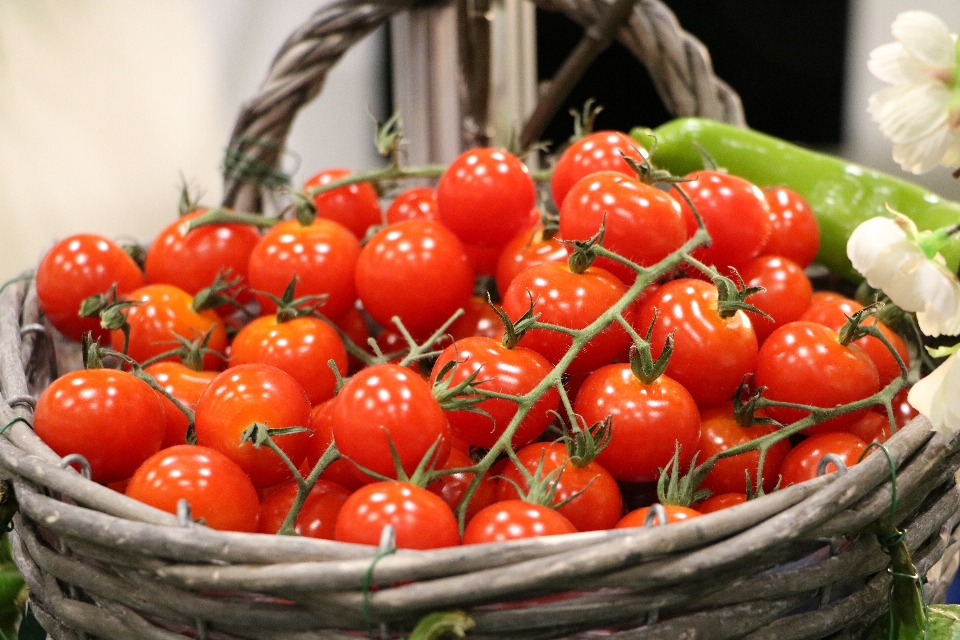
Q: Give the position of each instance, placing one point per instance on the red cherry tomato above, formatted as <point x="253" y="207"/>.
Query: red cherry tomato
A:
<point x="711" y="354"/>
<point x="355" y="328"/>
<point x="161" y="313"/>
<point x="303" y="347"/>
<point x="638" y="517"/>
<point x="804" y="363"/>
<point x="318" y="516"/>
<point x="641" y="222"/>
<point x="513" y="520"/>
<point x="386" y="404"/>
<point x="416" y="270"/>
<point x="785" y="296"/>
<point x="322" y="256"/>
<point x="341" y="471"/>
<point x="874" y="426"/>
<point x="572" y="300"/>
<point x="75" y="269"/>
<point x="416" y="202"/>
<point x="509" y="371"/>
<point x="420" y="519"/>
<point x="802" y="462"/>
<point x="597" y="151"/>
<point x="650" y="420"/>
<point x="721" y="501"/>
<point x="483" y="259"/>
<point x="217" y="489"/>
<point x="479" y="320"/>
<point x="720" y="431"/>
<point x="453" y="487"/>
<point x="192" y="260"/>
<point x="110" y="417"/>
<point x="243" y="395"/>
<point x="794" y="231"/>
<point x="735" y="214"/>
<point x="184" y="384"/>
<point x="598" y="503"/>
<point x="525" y="250"/>
<point x="485" y="197"/>
<point x="356" y="207"/>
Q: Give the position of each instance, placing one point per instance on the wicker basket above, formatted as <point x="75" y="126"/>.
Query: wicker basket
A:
<point x="789" y="565"/>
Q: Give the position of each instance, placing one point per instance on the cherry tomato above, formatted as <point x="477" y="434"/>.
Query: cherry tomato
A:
<point x="734" y="212"/>
<point x="650" y="420"/>
<point x="638" y="517"/>
<point x="794" y="231"/>
<point x="389" y="404"/>
<point x="485" y="197"/>
<point x="572" y="300"/>
<point x="483" y="259"/>
<point x="874" y="426"/>
<point x="598" y="503"/>
<point x="341" y="471"/>
<point x="720" y="431"/>
<point x="75" y="269"/>
<point x="803" y="460"/>
<point x="318" y="516"/>
<point x="184" y="384"/>
<point x="479" y="320"/>
<point x="903" y="411"/>
<point x="356" y="207"/>
<point x="525" y="250"/>
<point x="161" y="314"/>
<point x="513" y="520"/>
<point x="303" y="347"/>
<point x="641" y="222"/>
<point x="420" y="519"/>
<point x="510" y="371"/>
<point x="597" y="151"/>
<point x="786" y="292"/>
<point x="415" y="202"/>
<point x="109" y="417"/>
<point x="243" y="395"/>
<point x="322" y="256"/>
<point x="356" y="329"/>
<point x="216" y="488"/>
<point x="711" y="354"/>
<point x="192" y="260"/>
<point x="416" y="270"/>
<point x="804" y="363"/>
<point x="721" y="501"/>
<point x="453" y="487"/>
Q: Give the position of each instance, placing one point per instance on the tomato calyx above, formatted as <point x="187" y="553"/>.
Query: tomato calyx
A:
<point x="745" y="411"/>
<point x="584" y="444"/>
<point x="678" y="489"/>
<point x="514" y="331"/>
<point x="583" y="251"/>
<point x="190" y="352"/>
<point x="642" y="364"/>
<point x="541" y="487"/>
<point x="291" y="308"/>
<point x="732" y="296"/>
<point x="464" y="395"/>
<point x="215" y="295"/>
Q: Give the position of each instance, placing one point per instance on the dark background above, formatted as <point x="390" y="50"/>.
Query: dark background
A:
<point x="785" y="58"/>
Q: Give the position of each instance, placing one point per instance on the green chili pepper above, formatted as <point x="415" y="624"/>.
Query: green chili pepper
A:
<point x="841" y="194"/>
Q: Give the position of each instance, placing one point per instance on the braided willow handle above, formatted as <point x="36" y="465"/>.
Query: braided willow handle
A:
<point x="678" y="63"/>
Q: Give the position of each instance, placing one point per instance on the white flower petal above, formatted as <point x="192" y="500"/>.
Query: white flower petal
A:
<point x="869" y="238"/>
<point x="922" y="155"/>
<point x="945" y="402"/>
<point x="893" y="64"/>
<point x="895" y="272"/>
<point x="910" y="112"/>
<point x="921" y="395"/>
<point x="951" y="157"/>
<point x="925" y="36"/>
<point x="940" y="290"/>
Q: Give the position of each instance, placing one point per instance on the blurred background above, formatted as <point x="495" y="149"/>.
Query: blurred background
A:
<point x="107" y="107"/>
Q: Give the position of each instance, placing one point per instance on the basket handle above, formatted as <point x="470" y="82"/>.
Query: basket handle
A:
<point x="677" y="62"/>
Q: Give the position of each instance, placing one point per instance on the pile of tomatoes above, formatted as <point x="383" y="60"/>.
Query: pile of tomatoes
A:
<point x="344" y="366"/>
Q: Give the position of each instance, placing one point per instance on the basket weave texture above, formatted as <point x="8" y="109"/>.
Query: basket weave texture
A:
<point x="788" y="565"/>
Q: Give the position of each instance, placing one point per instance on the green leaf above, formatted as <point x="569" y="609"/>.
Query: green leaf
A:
<point x="436" y="625"/>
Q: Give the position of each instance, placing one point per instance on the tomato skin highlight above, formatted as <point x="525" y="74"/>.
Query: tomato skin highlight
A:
<point x="513" y="520"/>
<point x="243" y="395"/>
<point x="421" y="520"/>
<point x="217" y="489"/>
<point x="485" y="196"/>
<point x="386" y="404"/>
<point x="303" y="347"/>
<point x="110" y="417"/>
<point x="76" y="268"/>
<point x="649" y="420"/>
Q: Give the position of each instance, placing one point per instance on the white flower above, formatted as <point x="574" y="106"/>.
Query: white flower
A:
<point x="915" y="113"/>
<point x="888" y="252"/>
<point x="937" y="396"/>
